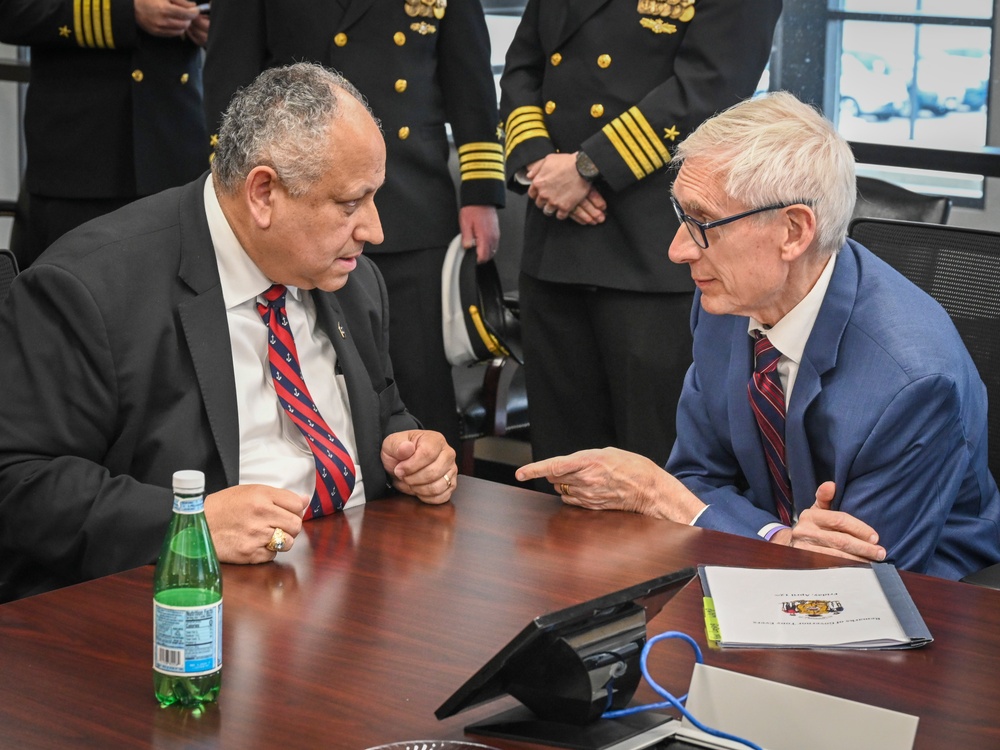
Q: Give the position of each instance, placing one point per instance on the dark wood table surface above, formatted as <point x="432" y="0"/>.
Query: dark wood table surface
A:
<point x="352" y="644"/>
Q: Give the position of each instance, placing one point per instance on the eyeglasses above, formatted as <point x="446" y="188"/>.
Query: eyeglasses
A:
<point x="697" y="229"/>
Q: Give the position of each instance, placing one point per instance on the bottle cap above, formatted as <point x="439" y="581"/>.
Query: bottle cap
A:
<point x="191" y="480"/>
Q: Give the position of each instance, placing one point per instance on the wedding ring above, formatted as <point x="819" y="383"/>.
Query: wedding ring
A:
<point x="548" y="211"/>
<point x="447" y="480"/>
<point x="277" y="543"/>
<point x="564" y="489"/>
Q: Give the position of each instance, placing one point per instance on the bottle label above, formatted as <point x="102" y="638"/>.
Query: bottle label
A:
<point x="187" y="640"/>
<point x="189" y="504"/>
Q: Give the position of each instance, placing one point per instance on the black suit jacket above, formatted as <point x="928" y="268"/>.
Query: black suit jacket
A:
<point x="118" y="371"/>
<point x="623" y="81"/>
<point x="112" y="112"/>
<point x="417" y="72"/>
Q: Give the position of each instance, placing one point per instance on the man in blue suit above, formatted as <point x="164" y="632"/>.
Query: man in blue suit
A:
<point x="871" y="442"/>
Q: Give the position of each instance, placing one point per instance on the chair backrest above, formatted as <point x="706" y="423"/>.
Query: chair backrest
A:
<point x="878" y="199"/>
<point x="960" y="268"/>
<point x="8" y="270"/>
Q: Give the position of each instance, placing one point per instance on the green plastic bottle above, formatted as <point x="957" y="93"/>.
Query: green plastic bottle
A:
<point x="187" y="603"/>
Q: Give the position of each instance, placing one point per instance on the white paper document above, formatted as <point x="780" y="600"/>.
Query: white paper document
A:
<point x="855" y="607"/>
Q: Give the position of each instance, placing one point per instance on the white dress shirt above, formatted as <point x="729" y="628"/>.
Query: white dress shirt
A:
<point x="272" y="449"/>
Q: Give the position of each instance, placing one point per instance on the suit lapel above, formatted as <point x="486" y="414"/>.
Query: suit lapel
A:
<point x="577" y="12"/>
<point x="206" y="330"/>
<point x="819" y="357"/>
<point x="354" y="10"/>
<point x="361" y="390"/>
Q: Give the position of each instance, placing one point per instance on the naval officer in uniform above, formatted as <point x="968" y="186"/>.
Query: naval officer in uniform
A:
<point x="420" y="64"/>
<point x="114" y="109"/>
<point x="594" y="94"/>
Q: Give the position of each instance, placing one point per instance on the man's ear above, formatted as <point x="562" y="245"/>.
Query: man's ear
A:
<point x="261" y="187"/>
<point x="799" y="231"/>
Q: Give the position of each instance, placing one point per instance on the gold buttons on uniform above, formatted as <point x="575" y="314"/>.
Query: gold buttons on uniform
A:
<point x="404" y="133"/>
<point x="550" y="107"/>
<point x="399" y="38"/>
<point x="184" y="77"/>
<point x="556" y="58"/>
<point x="340" y="39"/>
<point x="400" y="86"/>
<point x="597" y="110"/>
<point x="137" y="75"/>
<point x="603" y="61"/>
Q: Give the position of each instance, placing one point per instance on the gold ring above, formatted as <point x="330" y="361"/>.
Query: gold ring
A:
<point x="277" y="543"/>
<point x="564" y="489"/>
<point x="447" y="480"/>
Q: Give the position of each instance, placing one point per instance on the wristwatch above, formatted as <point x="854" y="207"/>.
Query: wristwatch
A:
<point x="586" y="167"/>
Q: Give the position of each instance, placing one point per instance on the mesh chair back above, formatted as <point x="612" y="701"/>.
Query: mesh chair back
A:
<point x="960" y="268"/>
<point x="8" y="270"/>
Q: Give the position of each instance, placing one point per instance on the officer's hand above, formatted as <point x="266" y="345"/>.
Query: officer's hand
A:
<point x="480" y="229"/>
<point x="165" y="17"/>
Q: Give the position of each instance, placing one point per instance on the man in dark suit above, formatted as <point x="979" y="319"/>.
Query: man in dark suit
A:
<point x="831" y="404"/>
<point x="136" y="346"/>
<point x="114" y="108"/>
<point x="421" y="64"/>
<point x="595" y="93"/>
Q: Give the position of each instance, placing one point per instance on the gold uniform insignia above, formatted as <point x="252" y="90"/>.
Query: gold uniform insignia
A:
<point x="675" y="10"/>
<point x="425" y="8"/>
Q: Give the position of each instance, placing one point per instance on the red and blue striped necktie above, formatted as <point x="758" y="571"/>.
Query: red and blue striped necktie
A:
<point x="335" y="472"/>
<point x="767" y="398"/>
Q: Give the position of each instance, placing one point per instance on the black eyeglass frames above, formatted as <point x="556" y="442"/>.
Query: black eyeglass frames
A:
<point x="697" y="229"/>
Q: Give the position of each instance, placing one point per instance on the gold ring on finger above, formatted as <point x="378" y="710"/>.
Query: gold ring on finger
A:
<point x="277" y="541"/>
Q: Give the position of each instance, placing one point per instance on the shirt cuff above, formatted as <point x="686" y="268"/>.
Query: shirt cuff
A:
<point x="770" y="530"/>
<point x="694" y="521"/>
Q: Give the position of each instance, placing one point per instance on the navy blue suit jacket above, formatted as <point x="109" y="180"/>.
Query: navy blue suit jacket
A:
<point x="887" y="404"/>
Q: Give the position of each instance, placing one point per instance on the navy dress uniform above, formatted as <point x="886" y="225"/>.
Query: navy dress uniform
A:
<point x="112" y="113"/>
<point x="604" y="311"/>
<point x="420" y="64"/>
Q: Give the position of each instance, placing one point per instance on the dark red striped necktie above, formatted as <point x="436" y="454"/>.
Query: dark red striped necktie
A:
<point x="768" y="401"/>
<point x="335" y="471"/>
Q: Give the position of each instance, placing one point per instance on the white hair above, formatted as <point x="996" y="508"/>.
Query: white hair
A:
<point x="776" y="149"/>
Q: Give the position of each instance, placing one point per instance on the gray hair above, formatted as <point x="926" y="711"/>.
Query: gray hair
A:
<point x="776" y="149"/>
<point x="281" y="120"/>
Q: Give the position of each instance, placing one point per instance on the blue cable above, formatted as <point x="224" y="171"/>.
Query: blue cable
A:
<point x="671" y="701"/>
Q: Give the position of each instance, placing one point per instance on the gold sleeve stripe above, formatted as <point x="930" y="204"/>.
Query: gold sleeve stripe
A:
<point x="109" y="38"/>
<point x="626" y="138"/>
<point x="642" y="142"/>
<point x="95" y="14"/>
<point x="92" y="23"/>
<point x="481" y="167"/>
<point x="77" y="25"/>
<point x="486" y="160"/>
<point x="523" y="124"/>
<point x="623" y="151"/>
<point x="650" y="133"/>
<point x="481" y="146"/>
<point x="514" y="142"/>
<point x="524" y="114"/>
<point x="493" y="174"/>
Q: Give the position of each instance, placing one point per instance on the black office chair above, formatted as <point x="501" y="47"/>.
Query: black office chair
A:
<point x="878" y="199"/>
<point x="960" y="268"/>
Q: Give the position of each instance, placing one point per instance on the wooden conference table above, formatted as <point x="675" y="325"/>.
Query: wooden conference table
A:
<point x="354" y="643"/>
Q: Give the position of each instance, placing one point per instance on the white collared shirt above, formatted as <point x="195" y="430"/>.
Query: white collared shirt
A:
<point x="272" y="449"/>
